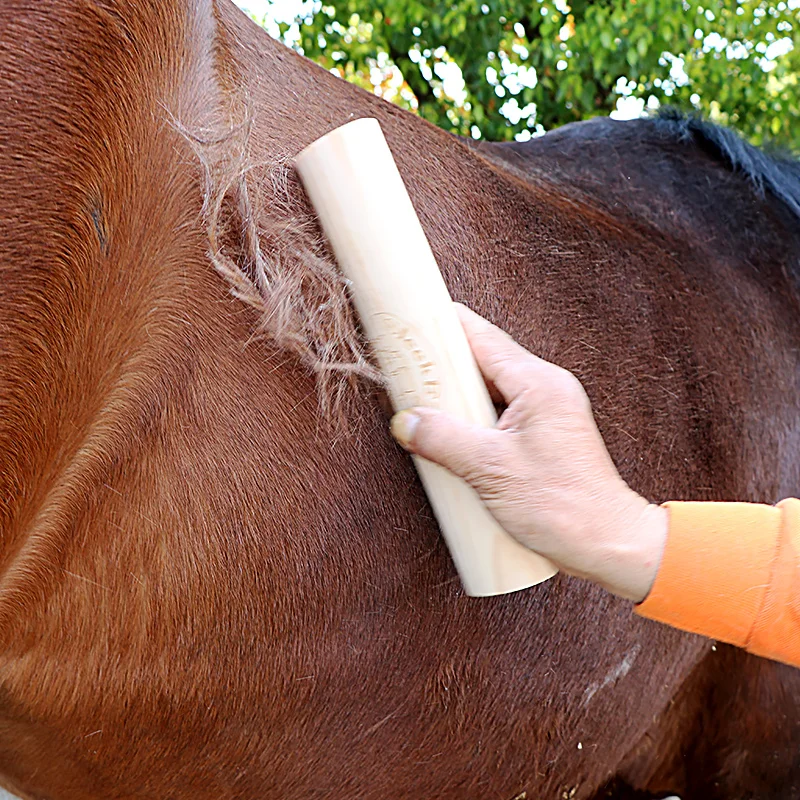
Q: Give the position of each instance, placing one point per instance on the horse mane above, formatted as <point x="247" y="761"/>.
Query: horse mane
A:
<point x="774" y="171"/>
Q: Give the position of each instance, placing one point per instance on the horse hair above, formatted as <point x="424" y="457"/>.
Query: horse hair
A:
<point x="777" y="172"/>
<point x="267" y="246"/>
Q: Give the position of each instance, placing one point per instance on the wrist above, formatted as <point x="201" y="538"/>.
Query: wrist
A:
<point x="637" y="552"/>
<point x="655" y="526"/>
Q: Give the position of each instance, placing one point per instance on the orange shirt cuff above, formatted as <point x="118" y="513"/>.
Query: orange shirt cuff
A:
<point x="776" y="633"/>
<point x="717" y="570"/>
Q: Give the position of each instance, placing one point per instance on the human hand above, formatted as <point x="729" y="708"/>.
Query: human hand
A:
<point x="543" y="471"/>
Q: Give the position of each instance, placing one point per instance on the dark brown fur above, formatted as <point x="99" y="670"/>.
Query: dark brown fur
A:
<point x="210" y="589"/>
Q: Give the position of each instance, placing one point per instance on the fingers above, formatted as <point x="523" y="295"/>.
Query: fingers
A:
<point x="506" y="366"/>
<point x="511" y="370"/>
<point x="458" y="446"/>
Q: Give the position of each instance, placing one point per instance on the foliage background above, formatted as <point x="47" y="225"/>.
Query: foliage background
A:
<point x="504" y="69"/>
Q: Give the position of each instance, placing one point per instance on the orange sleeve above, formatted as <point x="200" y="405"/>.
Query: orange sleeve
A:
<point x="731" y="571"/>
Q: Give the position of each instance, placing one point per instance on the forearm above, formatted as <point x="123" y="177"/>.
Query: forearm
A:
<point x="731" y="571"/>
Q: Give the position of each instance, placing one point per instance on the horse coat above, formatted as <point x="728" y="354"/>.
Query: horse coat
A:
<point x="219" y="577"/>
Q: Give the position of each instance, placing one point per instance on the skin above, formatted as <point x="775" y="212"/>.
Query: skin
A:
<point x="543" y="471"/>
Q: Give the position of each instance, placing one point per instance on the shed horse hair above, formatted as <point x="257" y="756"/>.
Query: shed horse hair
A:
<point x="211" y="587"/>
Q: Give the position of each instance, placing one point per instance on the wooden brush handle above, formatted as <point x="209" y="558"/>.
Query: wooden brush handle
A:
<point x="409" y="318"/>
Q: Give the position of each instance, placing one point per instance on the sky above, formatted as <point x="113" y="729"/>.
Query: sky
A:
<point x="275" y="11"/>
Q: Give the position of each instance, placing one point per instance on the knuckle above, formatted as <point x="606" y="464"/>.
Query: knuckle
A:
<point x="565" y="388"/>
<point x="489" y="468"/>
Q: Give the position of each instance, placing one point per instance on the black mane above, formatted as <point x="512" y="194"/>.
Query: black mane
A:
<point x="777" y="172"/>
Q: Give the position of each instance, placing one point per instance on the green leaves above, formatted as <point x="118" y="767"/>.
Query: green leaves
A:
<point x="529" y="66"/>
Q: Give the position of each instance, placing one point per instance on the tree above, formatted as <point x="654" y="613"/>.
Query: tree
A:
<point x="506" y="68"/>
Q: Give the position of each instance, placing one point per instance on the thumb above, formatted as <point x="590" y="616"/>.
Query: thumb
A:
<point x="454" y="444"/>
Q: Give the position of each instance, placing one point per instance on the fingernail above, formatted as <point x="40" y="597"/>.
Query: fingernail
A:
<point x="403" y="425"/>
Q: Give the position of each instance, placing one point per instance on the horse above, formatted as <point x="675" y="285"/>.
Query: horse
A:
<point x="219" y="577"/>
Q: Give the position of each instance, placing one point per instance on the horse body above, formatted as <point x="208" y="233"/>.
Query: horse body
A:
<point x="208" y="588"/>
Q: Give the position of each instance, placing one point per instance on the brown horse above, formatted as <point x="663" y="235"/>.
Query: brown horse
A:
<point x="212" y="586"/>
